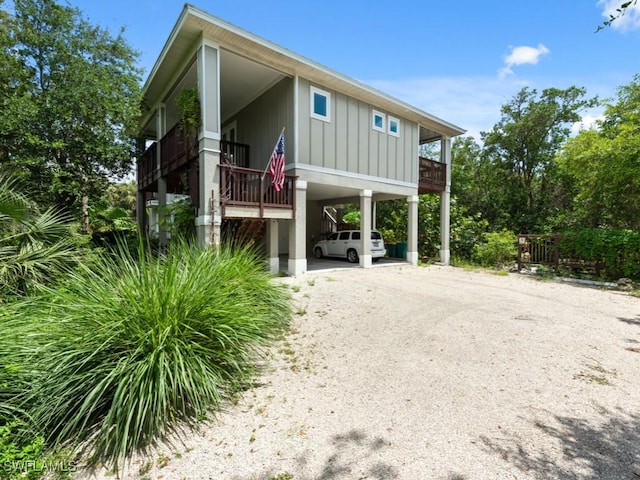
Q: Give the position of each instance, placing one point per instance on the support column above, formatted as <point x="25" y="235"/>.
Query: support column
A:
<point x="412" y="230"/>
<point x="445" y="203"/>
<point x="209" y="218"/>
<point x="272" y="246"/>
<point x="162" y="182"/>
<point x="365" y="228"/>
<point x="374" y="214"/>
<point x="162" y="203"/>
<point x="298" y="232"/>
<point x="141" y="213"/>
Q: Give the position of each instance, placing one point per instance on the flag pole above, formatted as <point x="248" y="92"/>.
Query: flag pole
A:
<point x="264" y="174"/>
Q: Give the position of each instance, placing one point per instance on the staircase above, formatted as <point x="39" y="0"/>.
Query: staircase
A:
<point x="247" y="231"/>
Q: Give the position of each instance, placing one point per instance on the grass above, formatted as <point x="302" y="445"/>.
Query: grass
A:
<point x="123" y="354"/>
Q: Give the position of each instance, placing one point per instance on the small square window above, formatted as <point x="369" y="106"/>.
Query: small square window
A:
<point x="394" y="126"/>
<point x="377" y="121"/>
<point x="320" y="104"/>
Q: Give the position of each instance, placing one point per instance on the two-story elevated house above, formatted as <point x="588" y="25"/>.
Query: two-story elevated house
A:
<point x="345" y="142"/>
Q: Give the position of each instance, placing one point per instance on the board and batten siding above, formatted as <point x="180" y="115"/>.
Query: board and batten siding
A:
<point x="259" y="124"/>
<point x="348" y="142"/>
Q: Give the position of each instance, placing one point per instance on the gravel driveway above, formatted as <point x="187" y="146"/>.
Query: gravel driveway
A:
<point x="433" y="373"/>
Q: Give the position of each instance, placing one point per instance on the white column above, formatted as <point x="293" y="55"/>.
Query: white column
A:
<point x="365" y="228"/>
<point x="297" y="264"/>
<point x="162" y="182"/>
<point x="374" y="214"/>
<point x="445" y="203"/>
<point x="209" y="217"/>
<point x="412" y="230"/>
<point x="141" y="212"/>
<point x="272" y="246"/>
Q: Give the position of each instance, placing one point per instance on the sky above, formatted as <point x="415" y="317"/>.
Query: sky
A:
<point x="459" y="60"/>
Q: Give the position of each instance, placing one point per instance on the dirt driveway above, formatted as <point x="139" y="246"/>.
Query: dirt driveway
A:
<point x="435" y="373"/>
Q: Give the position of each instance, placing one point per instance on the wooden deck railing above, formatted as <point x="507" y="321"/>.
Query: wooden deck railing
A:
<point x="545" y="250"/>
<point x="234" y="153"/>
<point x="148" y="167"/>
<point x="432" y="176"/>
<point x="246" y="187"/>
<point x="176" y="150"/>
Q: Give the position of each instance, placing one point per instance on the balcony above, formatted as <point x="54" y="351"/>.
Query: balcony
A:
<point x="244" y="193"/>
<point x="432" y="176"/>
<point x="177" y="151"/>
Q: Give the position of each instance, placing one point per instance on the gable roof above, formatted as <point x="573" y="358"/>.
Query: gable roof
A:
<point x="194" y="24"/>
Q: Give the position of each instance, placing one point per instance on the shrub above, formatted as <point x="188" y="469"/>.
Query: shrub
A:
<point x="130" y="349"/>
<point x="617" y="251"/>
<point x="499" y="247"/>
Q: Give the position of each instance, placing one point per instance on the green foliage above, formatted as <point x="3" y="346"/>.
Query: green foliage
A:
<point x="71" y="100"/>
<point x="35" y="247"/>
<point x="129" y="349"/>
<point x="14" y="451"/>
<point x="179" y="219"/>
<point x="189" y="105"/>
<point x="603" y="166"/>
<point x="352" y="218"/>
<point x="520" y="150"/>
<point x="499" y="248"/>
<point x="617" y="251"/>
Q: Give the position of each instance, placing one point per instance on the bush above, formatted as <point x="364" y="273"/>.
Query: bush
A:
<point x="616" y="251"/>
<point x="499" y="248"/>
<point x="128" y="350"/>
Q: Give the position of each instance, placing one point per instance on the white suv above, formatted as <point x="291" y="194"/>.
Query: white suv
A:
<point x="346" y="244"/>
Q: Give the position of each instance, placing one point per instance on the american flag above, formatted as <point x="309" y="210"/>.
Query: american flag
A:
<point x="276" y="167"/>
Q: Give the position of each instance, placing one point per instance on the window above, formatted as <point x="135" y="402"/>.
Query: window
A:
<point x="376" y="236"/>
<point x="344" y="236"/>
<point x="394" y="126"/>
<point x="355" y="236"/>
<point x="377" y="121"/>
<point x="320" y="104"/>
<point x="333" y="236"/>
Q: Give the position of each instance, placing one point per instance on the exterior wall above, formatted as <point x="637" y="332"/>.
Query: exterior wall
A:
<point x="260" y="123"/>
<point x="348" y="142"/>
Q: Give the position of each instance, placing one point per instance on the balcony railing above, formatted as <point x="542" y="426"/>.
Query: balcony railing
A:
<point x="432" y="176"/>
<point x="246" y="187"/>
<point x="176" y="150"/>
<point x="148" y="167"/>
<point x="234" y="154"/>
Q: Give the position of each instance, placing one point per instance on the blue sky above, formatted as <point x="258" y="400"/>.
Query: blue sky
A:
<point x="459" y="60"/>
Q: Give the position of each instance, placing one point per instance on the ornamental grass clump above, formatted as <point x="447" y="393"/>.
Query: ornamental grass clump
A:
<point x="129" y="350"/>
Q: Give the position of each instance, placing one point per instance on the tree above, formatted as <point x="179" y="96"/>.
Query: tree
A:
<point x="35" y="246"/>
<point x="521" y="148"/>
<point x="70" y="102"/>
<point x="604" y="165"/>
<point x="619" y="12"/>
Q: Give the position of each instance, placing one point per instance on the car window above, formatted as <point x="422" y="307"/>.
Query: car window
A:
<point x="355" y="236"/>
<point x="376" y="236"/>
<point x="344" y="235"/>
<point x="333" y="236"/>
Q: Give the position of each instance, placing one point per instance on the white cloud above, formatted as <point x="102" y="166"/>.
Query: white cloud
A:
<point x="589" y="120"/>
<point x="520" y="56"/>
<point x="628" y="21"/>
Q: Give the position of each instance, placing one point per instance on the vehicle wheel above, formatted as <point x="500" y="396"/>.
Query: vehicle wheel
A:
<point x="352" y="256"/>
<point x="374" y="260"/>
<point x="318" y="252"/>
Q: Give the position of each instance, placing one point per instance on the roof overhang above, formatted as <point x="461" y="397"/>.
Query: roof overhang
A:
<point x="193" y="25"/>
